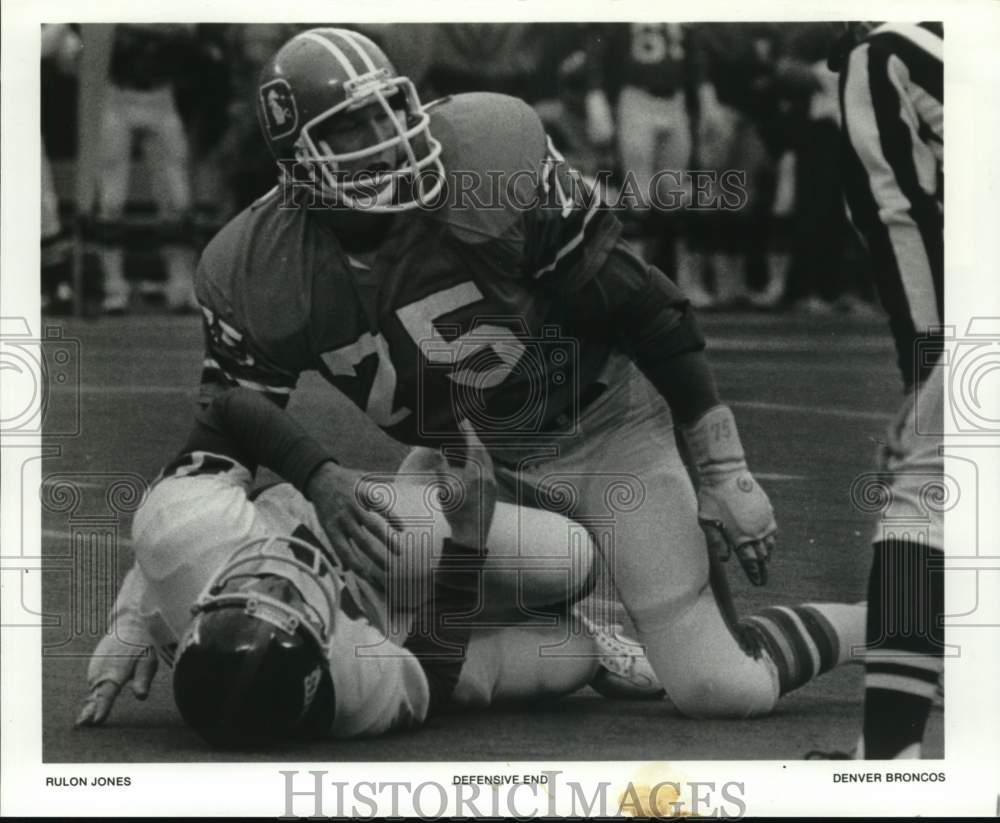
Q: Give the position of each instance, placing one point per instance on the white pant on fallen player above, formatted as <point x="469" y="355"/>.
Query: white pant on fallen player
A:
<point x="525" y="643"/>
<point x="620" y="475"/>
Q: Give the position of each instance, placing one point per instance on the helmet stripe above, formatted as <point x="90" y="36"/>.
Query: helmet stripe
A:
<point x="334" y="50"/>
<point x="354" y="39"/>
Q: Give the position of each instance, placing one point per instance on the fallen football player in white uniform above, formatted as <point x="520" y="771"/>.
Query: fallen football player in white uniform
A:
<point x="270" y="638"/>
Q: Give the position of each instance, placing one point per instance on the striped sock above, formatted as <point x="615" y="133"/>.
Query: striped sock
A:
<point x="905" y="645"/>
<point x="807" y="640"/>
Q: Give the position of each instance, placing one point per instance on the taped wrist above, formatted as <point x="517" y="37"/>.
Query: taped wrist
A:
<point x="714" y="444"/>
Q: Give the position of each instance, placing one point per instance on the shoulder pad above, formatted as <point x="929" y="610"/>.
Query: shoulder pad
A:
<point x="492" y="151"/>
<point x="256" y="273"/>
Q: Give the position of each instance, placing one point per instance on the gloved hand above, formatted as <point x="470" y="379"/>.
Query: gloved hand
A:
<point x="733" y="510"/>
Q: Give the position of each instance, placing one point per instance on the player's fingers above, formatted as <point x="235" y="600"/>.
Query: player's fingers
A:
<point x="716" y="539"/>
<point x="374" y="509"/>
<point x="86" y="715"/>
<point x="145" y="670"/>
<point x="380" y="528"/>
<point x="98" y="704"/>
<point x="366" y="562"/>
<point x="371" y="547"/>
<point x="753" y="562"/>
<point x="345" y="550"/>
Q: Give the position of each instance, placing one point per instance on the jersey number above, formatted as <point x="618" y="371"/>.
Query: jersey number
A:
<point x="419" y="320"/>
<point x="652" y="42"/>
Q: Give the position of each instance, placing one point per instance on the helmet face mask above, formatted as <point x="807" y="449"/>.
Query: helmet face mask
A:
<point x="253" y="666"/>
<point x="326" y="74"/>
<point x="254" y="573"/>
<point x="348" y="176"/>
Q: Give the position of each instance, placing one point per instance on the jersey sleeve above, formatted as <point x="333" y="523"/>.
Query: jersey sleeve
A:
<point x="611" y="294"/>
<point x="252" y="317"/>
<point x="233" y="360"/>
<point x="570" y="231"/>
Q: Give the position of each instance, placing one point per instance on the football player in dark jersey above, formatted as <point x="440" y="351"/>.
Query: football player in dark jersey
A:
<point x="441" y="265"/>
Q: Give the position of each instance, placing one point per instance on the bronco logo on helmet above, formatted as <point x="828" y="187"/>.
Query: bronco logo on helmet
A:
<point x="277" y="104"/>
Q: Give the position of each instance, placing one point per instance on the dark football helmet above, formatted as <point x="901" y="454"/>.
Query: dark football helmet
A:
<point x="326" y="73"/>
<point x="253" y="666"/>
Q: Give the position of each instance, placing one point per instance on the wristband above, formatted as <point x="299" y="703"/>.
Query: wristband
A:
<point x="714" y="443"/>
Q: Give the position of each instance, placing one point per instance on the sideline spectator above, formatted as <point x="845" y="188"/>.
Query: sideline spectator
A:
<point x="145" y="62"/>
<point x="741" y="61"/>
<point x="826" y="274"/>
<point x="60" y="48"/>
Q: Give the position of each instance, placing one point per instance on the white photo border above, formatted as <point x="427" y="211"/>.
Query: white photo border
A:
<point x="972" y="248"/>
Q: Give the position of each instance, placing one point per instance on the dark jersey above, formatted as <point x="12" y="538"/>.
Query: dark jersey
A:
<point x="466" y="311"/>
<point x="660" y="58"/>
<point x="147" y="57"/>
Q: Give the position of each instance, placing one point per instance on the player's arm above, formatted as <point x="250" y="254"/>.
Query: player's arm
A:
<point x="577" y="254"/>
<point x="235" y="353"/>
<point x="243" y="425"/>
<point x="650" y="317"/>
<point x="125" y="654"/>
<point x="232" y="360"/>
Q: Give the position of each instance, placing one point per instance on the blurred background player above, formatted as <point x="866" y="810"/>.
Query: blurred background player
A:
<point x="827" y="271"/>
<point x="743" y="247"/>
<point x="506" y="58"/>
<point x="774" y="124"/>
<point x="892" y="93"/>
<point x="60" y="51"/>
<point x="652" y="76"/>
<point x="146" y="60"/>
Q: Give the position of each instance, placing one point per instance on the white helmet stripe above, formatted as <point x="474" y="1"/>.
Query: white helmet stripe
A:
<point x="353" y="38"/>
<point x="334" y="50"/>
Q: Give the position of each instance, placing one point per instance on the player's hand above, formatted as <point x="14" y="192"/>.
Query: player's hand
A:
<point x="467" y="487"/>
<point x="472" y="467"/>
<point x="732" y="508"/>
<point x="359" y="535"/>
<point x="737" y="518"/>
<point x="113" y="664"/>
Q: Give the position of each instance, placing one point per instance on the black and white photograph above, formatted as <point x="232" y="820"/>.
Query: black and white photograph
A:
<point x="517" y="412"/>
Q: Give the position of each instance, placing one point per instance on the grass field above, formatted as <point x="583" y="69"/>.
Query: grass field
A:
<point x="812" y="397"/>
